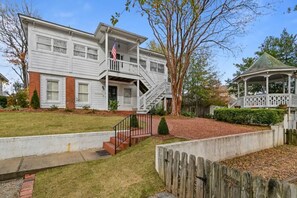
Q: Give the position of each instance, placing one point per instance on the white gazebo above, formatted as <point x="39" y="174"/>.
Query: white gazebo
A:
<point x="267" y="83"/>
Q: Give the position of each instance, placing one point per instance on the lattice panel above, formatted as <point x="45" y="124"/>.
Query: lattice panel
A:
<point x="276" y="100"/>
<point x="255" y="101"/>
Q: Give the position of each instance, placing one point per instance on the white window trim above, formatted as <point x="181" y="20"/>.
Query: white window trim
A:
<point x="79" y="103"/>
<point x="86" y="52"/>
<point x="130" y="103"/>
<point x="52" y="45"/>
<point x="158" y="62"/>
<point x="59" y="90"/>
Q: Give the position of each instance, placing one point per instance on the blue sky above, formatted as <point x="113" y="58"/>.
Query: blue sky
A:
<point x="85" y="15"/>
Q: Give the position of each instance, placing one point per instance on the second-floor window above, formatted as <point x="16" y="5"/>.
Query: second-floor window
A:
<point x="157" y="67"/>
<point x="85" y="52"/>
<point x="50" y="44"/>
<point x="141" y="62"/>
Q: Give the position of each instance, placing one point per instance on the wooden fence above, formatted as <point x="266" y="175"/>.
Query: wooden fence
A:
<point x="189" y="176"/>
<point x="291" y="136"/>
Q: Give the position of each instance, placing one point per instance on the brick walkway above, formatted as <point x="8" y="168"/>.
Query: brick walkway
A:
<point x="199" y="128"/>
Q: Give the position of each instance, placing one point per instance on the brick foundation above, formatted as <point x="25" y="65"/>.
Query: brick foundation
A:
<point x="70" y="92"/>
<point x="34" y="83"/>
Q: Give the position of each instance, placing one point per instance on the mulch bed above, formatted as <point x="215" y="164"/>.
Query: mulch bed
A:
<point x="279" y="163"/>
<point x="200" y="128"/>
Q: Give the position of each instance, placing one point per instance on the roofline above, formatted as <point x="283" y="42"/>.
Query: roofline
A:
<point x="34" y="19"/>
<point x="118" y="29"/>
<point x="151" y="51"/>
<point x="4" y="78"/>
<point x="263" y="71"/>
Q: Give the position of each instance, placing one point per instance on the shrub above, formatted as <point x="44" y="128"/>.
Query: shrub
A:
<point x="163" y="127"/>
<point x="3" y="101"/>
<point x="158" y="110"/>
<point x="22" y="99"/>
<point x="53" y="108"/>
<point x="113" y="105"/>
<point x="35" y="104"/>
<point x="250" y="116"/>
<point x="134" y="121"/>
<point x="188" y="114"/>
<point x="86" y="107"/>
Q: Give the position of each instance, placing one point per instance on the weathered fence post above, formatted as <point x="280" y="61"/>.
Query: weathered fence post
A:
<point x="161" y="162"/>
<point x="169" y="170"/>
<point x="183" y="175"/>
<point x="259" y="187"/>
<point x="208" y="180"/>
<point x="274" y="188"/>
<point x="200" y="178"/>
<point x="223" y="184"/>
<point x="215" y="180"/>
<point x="176" y="171"/>
<point x="191" y="177"/>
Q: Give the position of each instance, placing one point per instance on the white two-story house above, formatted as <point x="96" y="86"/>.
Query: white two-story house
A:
<point x="71" y="68"/>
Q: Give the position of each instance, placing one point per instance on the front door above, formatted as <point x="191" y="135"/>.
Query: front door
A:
<point x="112" y="93"/>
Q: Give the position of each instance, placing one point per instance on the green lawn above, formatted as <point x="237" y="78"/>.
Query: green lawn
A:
<point x="130" y="173"/>
<point x="44" y="123"/>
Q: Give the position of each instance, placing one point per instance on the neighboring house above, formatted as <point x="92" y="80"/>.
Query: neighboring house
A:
<point x="2" y="81"/>
<point x="71" y="68"/>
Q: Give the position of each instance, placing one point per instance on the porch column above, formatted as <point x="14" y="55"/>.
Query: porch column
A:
<point x="165" y="104"/>
<point x="284" y="86"/>
<point x="106" y="61"/>
<point x="295" y="85"/>
<point x="289" y="83"/>
<point x="245" y="87"/>
<point x="138" y="72"/>
<point x="267" y="90"/>
<point x="238" y="91"/>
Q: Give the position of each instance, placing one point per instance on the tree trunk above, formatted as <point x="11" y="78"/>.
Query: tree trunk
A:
<point x="176" y="98"/>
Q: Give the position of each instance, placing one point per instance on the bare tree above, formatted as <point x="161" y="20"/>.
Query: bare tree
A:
<point x="183" y="26"/>
<point x="13" y="43"/>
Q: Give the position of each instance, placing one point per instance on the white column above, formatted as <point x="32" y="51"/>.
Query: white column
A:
<point x="245" y="87"/>
<point x="267" y="90"/>
<point x="238" y="90"/>
<point x="295" y="85"/>
<point x="165" y="104"/>
<point x="289" y="84"/>
<point x="284" y="86"/>
<point x="106" y="61"/>
<point x="138" y="72"/>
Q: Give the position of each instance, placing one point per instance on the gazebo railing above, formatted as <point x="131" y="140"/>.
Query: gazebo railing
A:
<point x="268" y="100"/>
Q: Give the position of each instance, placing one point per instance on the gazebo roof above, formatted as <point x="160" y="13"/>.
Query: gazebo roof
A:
<point x="267" y="62"/>
<point x="2" y="78"/>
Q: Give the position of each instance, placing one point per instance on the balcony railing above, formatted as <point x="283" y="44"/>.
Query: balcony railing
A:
<point x="122" y="66"/>
<point x="268" y="100"/>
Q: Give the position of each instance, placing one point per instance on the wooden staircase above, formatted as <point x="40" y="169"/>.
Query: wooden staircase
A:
<point x="131" y="130"/>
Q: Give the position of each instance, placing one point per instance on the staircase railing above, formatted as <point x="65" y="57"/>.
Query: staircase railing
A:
<point x="146" y="76"/>
<point x="134" y="125"/>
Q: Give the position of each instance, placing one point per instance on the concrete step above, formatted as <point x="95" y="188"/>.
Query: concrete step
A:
<point x="110" y="148"/>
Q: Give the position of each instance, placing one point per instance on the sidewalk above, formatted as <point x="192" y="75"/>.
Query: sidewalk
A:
<point x="17" y="167"/>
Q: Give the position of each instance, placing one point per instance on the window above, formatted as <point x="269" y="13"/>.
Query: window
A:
<point x="127" y="95"/>
<point x="44" y="43"/>
<point x="92" y="53"/>
<point x="157" y="67"/>
<point x="52" y="92"/>
<point x="161" y="68"/>
<point x="60" y="46"/>
<point x="154" y="66"/>
<point x="83" y="92"/>
<point x="141" y="62"/>
<point x="79" y="50"/>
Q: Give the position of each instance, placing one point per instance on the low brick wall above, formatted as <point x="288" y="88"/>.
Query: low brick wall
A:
<point x="12" y="147"/>
<point x="221" y="148"/>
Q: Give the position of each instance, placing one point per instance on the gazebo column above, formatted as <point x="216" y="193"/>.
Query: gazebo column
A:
<point x="284" y="85"/>
<point x="267" y="90"/>
<point x="238" y="90"/>
<point x="245" y="91"/>
<point x="295" y="85"/>
<point x="289" y="90"/>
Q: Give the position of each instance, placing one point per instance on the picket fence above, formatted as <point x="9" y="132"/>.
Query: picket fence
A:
<point x="194" y="177"/>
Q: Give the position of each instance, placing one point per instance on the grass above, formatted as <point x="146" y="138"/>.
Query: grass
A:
<point x="130" y="173"/>
<point x="44" y="123"/>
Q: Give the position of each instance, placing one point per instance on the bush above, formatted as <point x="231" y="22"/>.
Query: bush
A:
<point x="86" y="107"/>
<point x="188" y="114"/>
<point x="163" y="127"/>
<point x="35" y="104"/>
<point x="3" y="101"/>
<point x="19" y="99"/>
<point x="134" y="121"/>
<point x="53" y="108"/>
<point x="113" y="105"/>
<point x="158" y="110"/>
<point x="250" y="116"/>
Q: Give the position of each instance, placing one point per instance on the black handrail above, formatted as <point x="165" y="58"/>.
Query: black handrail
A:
<point x="132" y="126"/>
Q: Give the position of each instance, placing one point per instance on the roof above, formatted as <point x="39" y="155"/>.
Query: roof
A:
<point x="3" y="78"/>
<point x="267" y="62"/>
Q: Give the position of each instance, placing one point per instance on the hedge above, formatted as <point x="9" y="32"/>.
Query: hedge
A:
<point x="250" y="116"/>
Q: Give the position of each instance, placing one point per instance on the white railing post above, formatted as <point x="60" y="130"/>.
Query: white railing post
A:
<point x="144" y="102"/>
